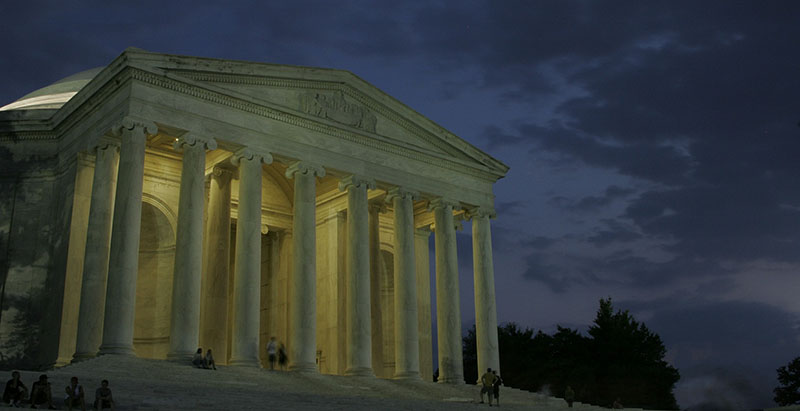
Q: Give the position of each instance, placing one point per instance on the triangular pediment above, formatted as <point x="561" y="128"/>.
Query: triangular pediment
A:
<point x="333" y="102"/>
<point x="333" y="97"/>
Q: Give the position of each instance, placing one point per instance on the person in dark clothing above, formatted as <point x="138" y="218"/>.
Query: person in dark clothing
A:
<point x="497" y="383"/>
<point x="41" y="394"/>
<point x="15" y="390"/>
<point x="198" y="360"/>
<point x="103" y="398"/>
<point x="282" y="357"/>
<point x="569" y="396"/>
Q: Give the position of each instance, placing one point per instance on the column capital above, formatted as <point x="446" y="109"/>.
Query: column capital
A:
<point x="247" y="153"/>
<point x="424" y="231"/>
<point x="480" y="212"/>
<point x="304" y="167"/>
<point x="220" y="171"/>
<point x="105" y="144"/>
<point x="377" y="207"/>
<point x="130" y="124"/>
<point x="401" y="193"/>
<point x="194" y="141"/>
<point x="264" y="229"/>
<point x="356" y="181"/>
<point x="441" y="202"/>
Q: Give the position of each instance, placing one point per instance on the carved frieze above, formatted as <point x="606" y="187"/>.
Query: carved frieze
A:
<point x="333" y="106"/>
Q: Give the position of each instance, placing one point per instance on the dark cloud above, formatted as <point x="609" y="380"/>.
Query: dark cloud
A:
<point x="539" y="242"/>
<point x="553" y="276"/>
<point x="616" y="232"/>
<point x="593" y="203"/>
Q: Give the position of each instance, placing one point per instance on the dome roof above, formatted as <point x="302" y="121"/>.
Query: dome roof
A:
<point x="55" y="95"/>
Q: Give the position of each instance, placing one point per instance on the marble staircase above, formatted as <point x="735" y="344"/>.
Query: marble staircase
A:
<point x="144" y="384"/>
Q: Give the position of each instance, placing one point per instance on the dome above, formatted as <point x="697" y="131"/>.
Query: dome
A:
<point x="55" y="95"/>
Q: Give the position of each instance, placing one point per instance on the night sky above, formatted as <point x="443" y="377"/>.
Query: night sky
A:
<point x="654" y="146"/>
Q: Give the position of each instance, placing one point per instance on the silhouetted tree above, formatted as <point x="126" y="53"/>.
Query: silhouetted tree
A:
<point x="788" y="393"/>
<point x="628" y="360"/>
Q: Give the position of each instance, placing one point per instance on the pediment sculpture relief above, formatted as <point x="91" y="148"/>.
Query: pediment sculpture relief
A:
<point x="334" y="106"/>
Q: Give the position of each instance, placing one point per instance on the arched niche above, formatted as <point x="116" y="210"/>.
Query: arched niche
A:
<point x="154" y="281"/>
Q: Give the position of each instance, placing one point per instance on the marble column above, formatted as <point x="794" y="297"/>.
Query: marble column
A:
<point x="214" y="306"/>
<point x="358" y="328"/>
<point x="247" y="275"/>
<point x="272" y="283"/>
<point x="448" y="315"/>
<point x="485" y="307"/>
<point x="406" y="334"/>
<point x="375" y="209"/>
<point x="123" y="261"/>
<point x="303" y="286"/>
<point x="95" y="263"/>
<point x="186" y="280"/>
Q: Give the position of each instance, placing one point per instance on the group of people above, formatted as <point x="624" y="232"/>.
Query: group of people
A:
<point x="41" y="395"/>
<point x="276" y="351"/>
<point x="490" y="385"/>
<point x="206" y="362"/>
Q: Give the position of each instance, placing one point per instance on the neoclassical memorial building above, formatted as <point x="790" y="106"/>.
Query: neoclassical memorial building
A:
<point x="164" y="203"/>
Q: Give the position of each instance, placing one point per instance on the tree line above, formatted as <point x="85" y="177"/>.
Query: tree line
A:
<point x="620" y="358"/>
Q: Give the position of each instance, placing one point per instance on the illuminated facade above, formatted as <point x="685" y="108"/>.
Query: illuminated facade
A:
<point x="164" y="203"/>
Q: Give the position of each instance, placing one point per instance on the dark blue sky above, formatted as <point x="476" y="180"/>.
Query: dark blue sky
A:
<point x="654" y="146"/>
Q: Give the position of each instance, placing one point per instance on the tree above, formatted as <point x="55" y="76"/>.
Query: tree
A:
<point x="629" y="362"/>
<point x="788" y="393"/>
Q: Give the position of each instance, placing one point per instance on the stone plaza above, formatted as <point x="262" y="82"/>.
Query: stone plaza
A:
<point x="164" y="203"/>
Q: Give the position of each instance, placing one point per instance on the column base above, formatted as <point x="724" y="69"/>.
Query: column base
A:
<point x="82" y="356"/>
<point x="408" y="376"/>
<point x="359" y="372"/>
<point x="245" y="362"/>
<point x="117" y="350"/>
<point x="181" y="357"/>
<point x="452" y="381"/>
<point x="304" y="367"/>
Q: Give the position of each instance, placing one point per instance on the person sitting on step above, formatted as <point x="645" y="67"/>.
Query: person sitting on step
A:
<point x="41" y="395"/>
<point x="74" y="395"/>
<point x="103" y="398"/>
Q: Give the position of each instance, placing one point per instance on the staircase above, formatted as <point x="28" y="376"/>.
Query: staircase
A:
<point x="145" y="384"/>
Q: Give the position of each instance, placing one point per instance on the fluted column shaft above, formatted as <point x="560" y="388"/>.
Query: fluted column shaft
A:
<point x="358" y="328"/>
<point x="95" y="263"/>
<point x="406" y="334"/>
<point x="485" y="306"/>
<point x="186" y="280"/>
<point x="303" y="288"/>
<point x="214" y="308"/>
<point x="123" y="262"/>
<point x="448" y="315"/>
<point x="247" y="275"/>
<point x="375" y="286"/>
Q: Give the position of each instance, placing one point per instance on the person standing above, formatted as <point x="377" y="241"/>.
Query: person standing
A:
<point x="487" y="382"/>
<point x="569" y="396"/>
<point x="272" y="352"/>
<point x="75" y="397"/>
<point x="15" y="390"/>
<point x="496" y="387"/>
<point x="282" y="357"/>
